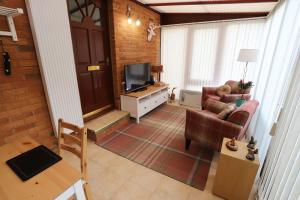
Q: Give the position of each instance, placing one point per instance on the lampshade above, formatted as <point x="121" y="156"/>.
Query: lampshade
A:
<point x="248" y="55"/>
<point x="157" y="68"/>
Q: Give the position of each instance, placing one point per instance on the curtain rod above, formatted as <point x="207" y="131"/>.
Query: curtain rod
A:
<point x="216" y="21"/>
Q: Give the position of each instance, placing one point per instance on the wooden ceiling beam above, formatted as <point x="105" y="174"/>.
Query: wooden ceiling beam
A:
<point x="183" y="18"/>
<point x="145" y="6"/>
<point x="209" y="2"/>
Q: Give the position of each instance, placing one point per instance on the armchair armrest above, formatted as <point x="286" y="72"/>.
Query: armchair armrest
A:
<point x="208" y="130"/>
<point x="207" y="91"/>
<point x="229" y="98"/>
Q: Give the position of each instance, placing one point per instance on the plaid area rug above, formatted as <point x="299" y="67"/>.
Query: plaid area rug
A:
<point x="157" y="142"/>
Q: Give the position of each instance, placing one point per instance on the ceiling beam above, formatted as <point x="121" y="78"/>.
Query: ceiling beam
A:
<point x="145" y="6"/>
<point x="180" y="18"/>
<point x="209" y="2"/>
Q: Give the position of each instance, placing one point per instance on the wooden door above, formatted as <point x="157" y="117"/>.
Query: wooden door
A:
<point x="90" y="35"/>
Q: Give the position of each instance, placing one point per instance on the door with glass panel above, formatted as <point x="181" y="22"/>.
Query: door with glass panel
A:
<point x="90" y="35"/>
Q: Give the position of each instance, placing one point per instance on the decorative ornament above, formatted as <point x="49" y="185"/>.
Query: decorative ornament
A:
<point x="231" y="145"/>
<point x="256" y="151"/>
<point x="252" y="143"/>
<point x="250" y="155"/>
<point x="151" y="29"/>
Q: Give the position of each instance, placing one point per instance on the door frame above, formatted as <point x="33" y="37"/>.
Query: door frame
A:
<point x="110" y="26"/>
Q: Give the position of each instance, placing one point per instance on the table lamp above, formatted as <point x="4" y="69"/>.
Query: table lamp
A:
<point x="156" y="70"/>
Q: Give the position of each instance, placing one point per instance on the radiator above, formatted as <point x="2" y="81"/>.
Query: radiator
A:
<point x="52" y="38"/>
<point x="190" y="98"/>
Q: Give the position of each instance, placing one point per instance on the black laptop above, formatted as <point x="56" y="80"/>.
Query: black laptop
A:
<point x="32" y="162"/>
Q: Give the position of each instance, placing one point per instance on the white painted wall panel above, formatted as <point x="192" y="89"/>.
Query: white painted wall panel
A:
<point x="52" y="37"/>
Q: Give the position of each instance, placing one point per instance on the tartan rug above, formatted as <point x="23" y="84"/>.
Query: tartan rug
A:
<point x="158" y="142"/>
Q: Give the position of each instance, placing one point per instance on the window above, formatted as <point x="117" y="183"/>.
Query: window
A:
<point x="206" y="54"/>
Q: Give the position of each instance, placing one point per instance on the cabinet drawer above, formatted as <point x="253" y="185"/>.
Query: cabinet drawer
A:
<point x="156" y="101"/>
<point x="144" y="107"/>
<point x="163" y="97"/>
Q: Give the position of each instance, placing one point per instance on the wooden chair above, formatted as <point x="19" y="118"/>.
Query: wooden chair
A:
<point x="78" y="136"/>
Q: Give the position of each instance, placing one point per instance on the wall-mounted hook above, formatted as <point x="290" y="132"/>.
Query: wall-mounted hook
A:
<point x="6" y="60"/>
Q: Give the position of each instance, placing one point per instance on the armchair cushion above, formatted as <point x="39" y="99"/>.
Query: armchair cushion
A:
<point x="226" y="112"/>
<point x="222" y="90"/>
<point x="214" y="106"/>
<point x="214" y="97"/>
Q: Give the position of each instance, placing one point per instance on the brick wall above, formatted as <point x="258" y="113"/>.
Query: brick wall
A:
<point x="129" y="42"/>
<point x="23" y="107"/>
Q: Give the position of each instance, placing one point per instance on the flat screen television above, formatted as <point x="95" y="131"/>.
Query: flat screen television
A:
<point x="137" y="76"/>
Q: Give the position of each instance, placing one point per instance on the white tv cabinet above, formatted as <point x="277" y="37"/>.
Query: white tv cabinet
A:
<point x="140" y="103"/>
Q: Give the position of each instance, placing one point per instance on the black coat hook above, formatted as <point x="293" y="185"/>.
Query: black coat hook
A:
<point x="6" y="61"/>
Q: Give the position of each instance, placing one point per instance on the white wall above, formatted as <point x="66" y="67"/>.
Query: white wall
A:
<point x="52" y="37"/>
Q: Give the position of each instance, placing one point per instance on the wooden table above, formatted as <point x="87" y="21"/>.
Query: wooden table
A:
<point x="235" y="174"/>
<point x="58" y="182"/>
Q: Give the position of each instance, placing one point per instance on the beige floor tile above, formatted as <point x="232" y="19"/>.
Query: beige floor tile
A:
<point x="201" y="195"/>
<point x="131" y="191"/>
<point x="95" y="170"/>
<point x="161" y="196"/>
<point x="172" y="189"/>
<point x="121" y="167"/>
<point x="105" y="158"/>
<point x="93" y="150"/>
<point x="146" y="177"/>
<point x="105" y="184"/>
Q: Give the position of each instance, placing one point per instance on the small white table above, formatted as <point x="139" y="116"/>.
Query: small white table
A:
<point x="59" y="182"/>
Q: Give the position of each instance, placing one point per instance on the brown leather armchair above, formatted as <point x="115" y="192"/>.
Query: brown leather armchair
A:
<point x="207" y="129"/>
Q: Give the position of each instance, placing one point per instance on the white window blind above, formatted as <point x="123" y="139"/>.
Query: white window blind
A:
<point x="281" y="175"/>
<point x="206" y="54"/>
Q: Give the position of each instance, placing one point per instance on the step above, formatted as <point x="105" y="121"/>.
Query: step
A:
<point x="106" y="124"/>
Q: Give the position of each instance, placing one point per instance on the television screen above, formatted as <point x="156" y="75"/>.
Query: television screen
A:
<point x="137" y="76"/>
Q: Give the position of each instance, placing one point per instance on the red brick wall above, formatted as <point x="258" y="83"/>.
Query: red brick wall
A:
<point x="130" y="43"/>
<point x="23" y="107"/>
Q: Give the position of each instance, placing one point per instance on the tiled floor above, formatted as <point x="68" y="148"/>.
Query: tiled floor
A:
<point x="113" y="177"/>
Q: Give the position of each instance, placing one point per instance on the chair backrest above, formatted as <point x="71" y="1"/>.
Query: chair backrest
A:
<point x="78" y="139"/>
<point x="242" y="115"/>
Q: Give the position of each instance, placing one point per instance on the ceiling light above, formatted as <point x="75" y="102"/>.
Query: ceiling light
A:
<point x="138" y="22"/>
<point x="129" y="20"/>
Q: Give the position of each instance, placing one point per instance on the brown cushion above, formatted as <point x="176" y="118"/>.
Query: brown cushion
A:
<point x="234" y="85"/>
<point x="214" y="106"/>
<point x="222" y="90"/>
<point x="214" y="97"/>
<point x="227" y="111"/>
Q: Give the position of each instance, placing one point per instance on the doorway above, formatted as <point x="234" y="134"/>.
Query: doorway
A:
<point x="90" y="37"/>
